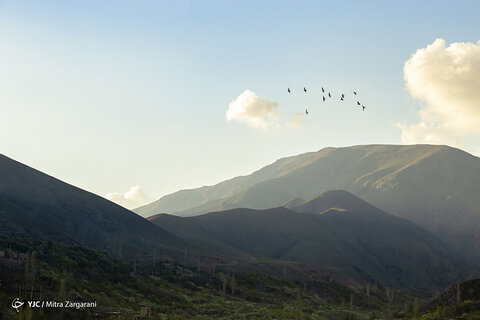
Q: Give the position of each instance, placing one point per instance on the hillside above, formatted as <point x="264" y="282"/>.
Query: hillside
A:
<point x="332" y="232"/>
<point x="468" y="290"/>
<point x="36" y="205"/>
<point x="193" y="293"/>
<point x="433" y="186"/>
<point x="170" y="291"/>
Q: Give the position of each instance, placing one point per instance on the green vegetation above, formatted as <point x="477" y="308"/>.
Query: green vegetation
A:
<point x="53" y="271"/>
<point x="466" y="310"/>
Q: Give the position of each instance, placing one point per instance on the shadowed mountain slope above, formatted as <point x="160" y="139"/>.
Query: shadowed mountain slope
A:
<point x="33" y="204"/>
<point x="468" y="290"/>
<point x="431" y="185"/>
<point x="335" y="231"/>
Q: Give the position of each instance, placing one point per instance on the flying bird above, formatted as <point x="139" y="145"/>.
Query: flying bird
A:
<point x="323" y="98"/>
<point x="323" y="90"/>
<point x="329" y="95"/>
<point x="354" y="93"/>
<point x="341" y="98"/>
<point x="363" y="107"/>
<point x="358" y="103"/>
<point x="306" y="111"/>
<point x="304" y="89"/>
<point x="288" y="90"/>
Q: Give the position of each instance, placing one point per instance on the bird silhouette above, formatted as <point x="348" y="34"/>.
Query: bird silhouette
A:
<point x="354" y="93"/>
<point x="358" y="103"/>
<point x="329" y="95"/>
<point x="341" y="98"/>
<point x="323" y="90"/>
<point x="288" y="90"/>
<point x="306" y="111"/>
<point x="304" y="89"/>
<point x="323" y="98"/>
<point x="363" y="107"/>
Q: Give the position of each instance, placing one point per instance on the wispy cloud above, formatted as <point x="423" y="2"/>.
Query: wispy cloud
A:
<point x="297" y="121"/>
<point x="447" y="80"/>
<point x="131" y="199"/>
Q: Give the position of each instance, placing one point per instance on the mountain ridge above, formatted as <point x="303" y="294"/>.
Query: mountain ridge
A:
<point x="261" y="174"/>
<point x="34" y="204"/>
<point x="332" y="240"/>
<point x="435" y="186"/>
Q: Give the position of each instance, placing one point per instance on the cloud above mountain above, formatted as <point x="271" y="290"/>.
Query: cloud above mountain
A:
<point x="297" y="121"/>
<point x="446" y="80"/>
<point x="254" y="111"/>
<point x="133" y="198"/>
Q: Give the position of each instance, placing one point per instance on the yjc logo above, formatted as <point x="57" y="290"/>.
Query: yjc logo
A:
<point x="34" y="304"/>
<point x="16" y="303"/>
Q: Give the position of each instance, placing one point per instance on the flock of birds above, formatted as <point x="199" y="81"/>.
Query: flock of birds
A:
<point x="342" y="98"/>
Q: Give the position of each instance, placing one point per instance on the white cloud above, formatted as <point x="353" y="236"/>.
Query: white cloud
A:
<point x="297" y="121"/>
<point x="447" y="80"/>
<point x="131" y="199"/>
<point x="424" y="132"/>
<point x="254" y="111"/>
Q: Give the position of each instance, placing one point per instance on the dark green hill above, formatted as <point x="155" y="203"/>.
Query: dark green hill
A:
<point x="36" y="205"/>
<point x="348" y="236"/>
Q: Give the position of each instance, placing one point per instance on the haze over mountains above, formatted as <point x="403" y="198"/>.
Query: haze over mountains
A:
<point x="435" y="186"/>
<point x="36" y="205"/>
<point x="334" y="232"/>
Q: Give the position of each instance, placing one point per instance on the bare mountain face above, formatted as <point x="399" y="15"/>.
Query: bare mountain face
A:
<point x="33" y="204"/>
<point x="437" y="187"/>
<point x="333" y="232"/>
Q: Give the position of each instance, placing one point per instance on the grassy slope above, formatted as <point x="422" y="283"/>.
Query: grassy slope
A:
<point x="173" y="291"/>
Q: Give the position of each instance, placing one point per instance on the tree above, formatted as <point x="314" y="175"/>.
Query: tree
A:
<point x="459" y="294"/>
<point x="233" y="284"/>
<point x="351" y="302"/>
<point x="30" y="269"/>
<point x="62" y="290"/>
<point x="299" y="306"/>
<point x="416" y="307"/>
<point x="388" y="294"/>
<point x="223" y="279"/>
<point x="408" y="309"/>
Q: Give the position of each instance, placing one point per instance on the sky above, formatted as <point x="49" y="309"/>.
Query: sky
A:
<point x="133" y="100"/>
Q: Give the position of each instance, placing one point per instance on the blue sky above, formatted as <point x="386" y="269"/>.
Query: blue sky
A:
<point x="107" y="95"/>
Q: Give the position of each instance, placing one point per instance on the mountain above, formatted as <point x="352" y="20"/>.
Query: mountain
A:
<point x="336" y="232"/>
<point x="33" y="204"/>
<point x="434" y="186"/>
<point x="336" y="199"/>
